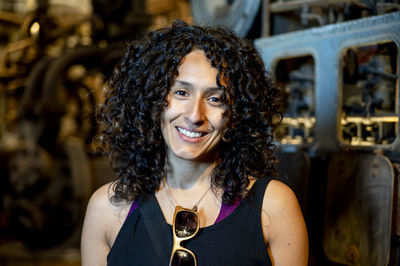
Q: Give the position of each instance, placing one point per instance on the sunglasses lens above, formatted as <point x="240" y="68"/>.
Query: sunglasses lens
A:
<point x="182" y="258"/>
<point x="186" y="223"/>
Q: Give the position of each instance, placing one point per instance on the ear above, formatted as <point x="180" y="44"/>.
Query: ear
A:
<point x="225" y="135"/>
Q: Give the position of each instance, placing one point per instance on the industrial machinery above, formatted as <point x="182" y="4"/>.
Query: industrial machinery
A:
<point x="49" y="82"/>
<point x="336" y="62"/>
<point x="341" y="86"/>
<point x="53" y="66"/>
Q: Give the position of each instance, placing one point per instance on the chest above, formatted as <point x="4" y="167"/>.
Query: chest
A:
<point x="236" y="240"/>
<point x="208" y="210"/>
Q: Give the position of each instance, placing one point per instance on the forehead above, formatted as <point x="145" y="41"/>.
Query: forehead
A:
<point x="196" y="67"/>
<point x="196" y="60"/>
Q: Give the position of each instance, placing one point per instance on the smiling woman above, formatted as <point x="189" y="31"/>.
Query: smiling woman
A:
<point x="188" y="123"/>
<point x="193" y="121"/>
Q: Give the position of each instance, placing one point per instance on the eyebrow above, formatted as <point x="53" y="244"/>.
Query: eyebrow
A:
<point x="184" y="83"/>
<point x="188" y="84"/>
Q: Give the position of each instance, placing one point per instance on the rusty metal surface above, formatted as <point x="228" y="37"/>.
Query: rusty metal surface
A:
<point x="358" y="209"/>
<point x="327" y="45"/>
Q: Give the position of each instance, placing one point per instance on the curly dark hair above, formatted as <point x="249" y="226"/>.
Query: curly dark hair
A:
<point x="136" y="97"/>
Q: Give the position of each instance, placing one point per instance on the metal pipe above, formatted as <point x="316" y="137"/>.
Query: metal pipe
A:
<point x="279" y="7"/>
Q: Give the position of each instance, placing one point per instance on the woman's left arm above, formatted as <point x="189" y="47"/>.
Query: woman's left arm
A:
<point x="283" y="226"/>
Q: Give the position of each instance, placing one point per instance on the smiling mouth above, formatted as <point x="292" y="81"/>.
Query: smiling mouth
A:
<point x="191" y="134"/>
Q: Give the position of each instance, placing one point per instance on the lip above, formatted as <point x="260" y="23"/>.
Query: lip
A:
<point x="192" y="139"/>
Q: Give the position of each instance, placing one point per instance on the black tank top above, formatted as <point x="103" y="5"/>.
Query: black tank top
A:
<point x="236" y="240"/>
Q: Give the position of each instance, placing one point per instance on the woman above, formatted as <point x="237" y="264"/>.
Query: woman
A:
<point x="188" y="121"/>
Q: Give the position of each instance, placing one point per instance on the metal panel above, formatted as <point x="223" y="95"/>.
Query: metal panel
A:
<point x="327" y="45"/>
<point x="358" y="209"/>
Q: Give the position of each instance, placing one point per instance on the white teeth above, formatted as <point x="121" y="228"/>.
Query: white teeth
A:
<point x="189" y="133"/>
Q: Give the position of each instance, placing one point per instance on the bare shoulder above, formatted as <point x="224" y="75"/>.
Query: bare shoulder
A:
<point x="103" y="220"/>
<point x="100" y="200"/>
<point x="278" y="196"/>
<point x="102" y="211"/>
<point x="284" y="228"/>
<point x="279" y="202"/>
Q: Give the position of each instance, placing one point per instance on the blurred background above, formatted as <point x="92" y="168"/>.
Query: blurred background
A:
<point x="336" y="62"/>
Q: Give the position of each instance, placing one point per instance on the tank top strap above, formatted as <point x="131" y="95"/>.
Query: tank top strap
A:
<point x="255" y="195"/>
<point x="133" y="207"/>
<point x="227" y="209"/>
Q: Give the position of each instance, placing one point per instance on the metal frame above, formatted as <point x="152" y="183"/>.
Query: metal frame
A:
<point x="327" y="45"/>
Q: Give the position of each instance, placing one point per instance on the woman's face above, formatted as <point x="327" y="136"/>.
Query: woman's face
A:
<point x="193" y="121"/>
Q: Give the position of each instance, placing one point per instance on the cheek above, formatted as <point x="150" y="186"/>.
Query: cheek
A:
<point x="167" y="113"/>
<point x="164" y="115"/>
<point x="174" y="109"/>
<point x="162" y="119"/>
<point x="218" y="120"/>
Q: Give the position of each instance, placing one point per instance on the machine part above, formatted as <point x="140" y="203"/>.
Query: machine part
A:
<point x="387" y="7"/>
<point x="29" y="163"/>
<point x="11" y="18"/>
<point x="307" y="16"/>
<point x="237" y="15"/>
<point x="49" y="176"/>
<point x="121" y="19"/>
<point x="395" y="239"/>
<point x="358" y="209"/>
<point x="297" y="175"/>
<point x="369" y="113"/>
<point x="79" y="168"/>
<point x="90" y="57"/>
<point x="295" y="77"/>
<point x="352" y="255"/>
<point x="79" y="119"/>
<point x="31" y="107"/>
<point x="327" y="45"/>
<point x="396" y="209"/>
<point x="110" y="9"/>
<point x="285" y="6"/>
<point x="35" y="80"/>
<point x="293" y="15"/>
<point x="45" y="205"/>
<point x="68" y="83"/>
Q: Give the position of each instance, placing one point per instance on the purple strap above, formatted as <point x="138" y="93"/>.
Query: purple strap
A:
<point x="225" y="211"/>
<point x="134" y="206"/>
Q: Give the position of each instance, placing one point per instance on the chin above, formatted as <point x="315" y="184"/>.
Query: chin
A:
<point x="208" y="156"/>
<point x="187" y="156"/>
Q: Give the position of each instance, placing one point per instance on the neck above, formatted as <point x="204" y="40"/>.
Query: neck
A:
<point x="184" y="174"/>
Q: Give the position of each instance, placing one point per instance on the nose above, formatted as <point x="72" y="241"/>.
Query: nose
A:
<point x="196" y="112"/>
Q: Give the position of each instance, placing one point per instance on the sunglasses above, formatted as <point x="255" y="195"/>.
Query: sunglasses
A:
<point x="185" y="226"/>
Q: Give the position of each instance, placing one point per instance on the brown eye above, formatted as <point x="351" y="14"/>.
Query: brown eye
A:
<point x="215" y="99"/>
<point x="181" y="93"/>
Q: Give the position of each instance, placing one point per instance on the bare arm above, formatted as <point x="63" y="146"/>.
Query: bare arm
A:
<point x="102" y="223"/>
<point x="283" y="226"/>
